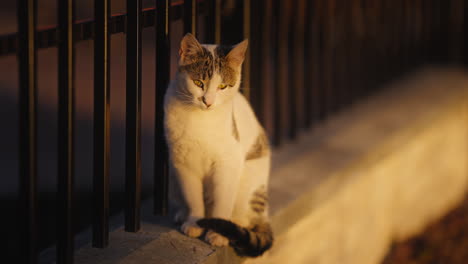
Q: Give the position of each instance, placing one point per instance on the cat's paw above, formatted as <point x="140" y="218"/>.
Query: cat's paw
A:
<point x="180" y="217"/>
<point x="191" y="229"/>
<point x="216" y="239"/>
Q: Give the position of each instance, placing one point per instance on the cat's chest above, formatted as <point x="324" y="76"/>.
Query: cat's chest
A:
<point x="195" y="141"/>
<point x="197" y="131"/>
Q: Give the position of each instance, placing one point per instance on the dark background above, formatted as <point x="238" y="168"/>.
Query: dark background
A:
<point x="47" y="118"/>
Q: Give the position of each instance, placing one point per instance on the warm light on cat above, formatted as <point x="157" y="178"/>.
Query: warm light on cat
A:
<point x="219" y="159"/>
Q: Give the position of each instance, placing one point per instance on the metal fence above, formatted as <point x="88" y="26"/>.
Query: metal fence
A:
<point x="307" y="60"/>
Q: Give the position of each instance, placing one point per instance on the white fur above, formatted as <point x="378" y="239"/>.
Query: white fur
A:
<point x="209" y="174"/>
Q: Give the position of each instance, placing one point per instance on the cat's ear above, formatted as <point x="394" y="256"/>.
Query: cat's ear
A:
<point x="189" y="46"/>
<point x="237" y="55"/>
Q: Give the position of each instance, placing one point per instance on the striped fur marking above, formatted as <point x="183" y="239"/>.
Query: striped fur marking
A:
<point x="260" y="148"/>
<point x="199" y="65"/>
<point x="259" y="201"/>
<point x="228" y="74"/>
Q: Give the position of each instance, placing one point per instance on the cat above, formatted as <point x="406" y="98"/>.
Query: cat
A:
<point x="218" y="151"/>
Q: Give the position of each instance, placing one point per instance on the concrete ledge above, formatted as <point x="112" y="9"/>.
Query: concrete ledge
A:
<point x="158" y="241"/>
<point x="378" y="172"/>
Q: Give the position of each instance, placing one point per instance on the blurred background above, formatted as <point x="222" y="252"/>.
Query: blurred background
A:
<point x="308" y="62"/>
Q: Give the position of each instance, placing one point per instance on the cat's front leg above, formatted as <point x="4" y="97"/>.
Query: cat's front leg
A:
<point x="192" y="189"/>
<point x="225" y="188"/>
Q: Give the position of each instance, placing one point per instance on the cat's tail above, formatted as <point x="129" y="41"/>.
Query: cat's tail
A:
<point x="251" y="242"/>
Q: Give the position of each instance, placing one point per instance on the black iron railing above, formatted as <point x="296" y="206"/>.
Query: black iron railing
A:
<point x="27" y="130"/>
<point x="65" y="235"/>
<point x="307" y="59"/>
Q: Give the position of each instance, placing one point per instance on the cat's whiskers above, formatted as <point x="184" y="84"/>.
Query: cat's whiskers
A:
<point x="184" y="96"/>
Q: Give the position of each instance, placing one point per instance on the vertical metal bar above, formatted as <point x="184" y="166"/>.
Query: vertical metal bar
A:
<point x="319" y="91"/>
<point x="351" y="36"/>
<point x="309" y="63"/>
<point x="275" y="46"/>
<point x="190" y="16"/>
<point x="370" y="46"/>
<point x="418" y="31"/>
<point x="393" y="21"/>
<point x="247" y="62"/>
<point x="362" y="46"/>
<point x="282" y="9"/>
<point x="411" y="28"/>
<point x="163" y="49"/>
<point x="406" y="34"/>
<point x="256" y="57"/>
<point x="441" y="31"/>
<point x="427" y="30"/>
<point x="465" y="34"/>
<point x="360" y="50"/>
<point x="369" y="54"/>
<point x="378" y="44"/>
<point x="328" y="51"/>
<point x="253" y="59"/>
<point x="424" y="31"/>
<point x="346" y="84"/>
<point x="338" y="58"/>
<point x="446" y="27"/>
<point x="213" y="22"/>
<point x="390" y="38"/>
<point x="65" y="239"/>
<point x="292" y="64"/>
<point x="399" y="20"/>
<point x="27" y="130"/>
<point x="297" y="69"/>
<point x="422" y="43"/>
<point x="101" y="123"/>
<point x="435" y="30"/>
<point x="133" y="117"/>
<point x="265" y="94"/>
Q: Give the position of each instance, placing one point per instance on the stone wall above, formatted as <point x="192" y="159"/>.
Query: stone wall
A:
<point x="386" y="169"/>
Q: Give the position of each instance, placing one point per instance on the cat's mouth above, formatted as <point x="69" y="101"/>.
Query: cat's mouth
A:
<point x="205" y="108"/>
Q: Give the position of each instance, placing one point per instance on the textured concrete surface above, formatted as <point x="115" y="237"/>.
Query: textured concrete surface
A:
<point x="158" y="241"/>
<point x="377" y="173"/>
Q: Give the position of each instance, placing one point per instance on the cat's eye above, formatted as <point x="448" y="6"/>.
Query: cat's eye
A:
<point x="222" y="86"/>
<point x="198" y="83"/>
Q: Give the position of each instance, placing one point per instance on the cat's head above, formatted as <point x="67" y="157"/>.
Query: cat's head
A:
<point x="208" y="75"/>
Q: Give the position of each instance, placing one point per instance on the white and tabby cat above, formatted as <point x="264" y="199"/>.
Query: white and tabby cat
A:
<point x="219" y="154"/>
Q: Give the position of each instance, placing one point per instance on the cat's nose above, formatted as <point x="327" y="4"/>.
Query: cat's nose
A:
<point x="206" y="103"/>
